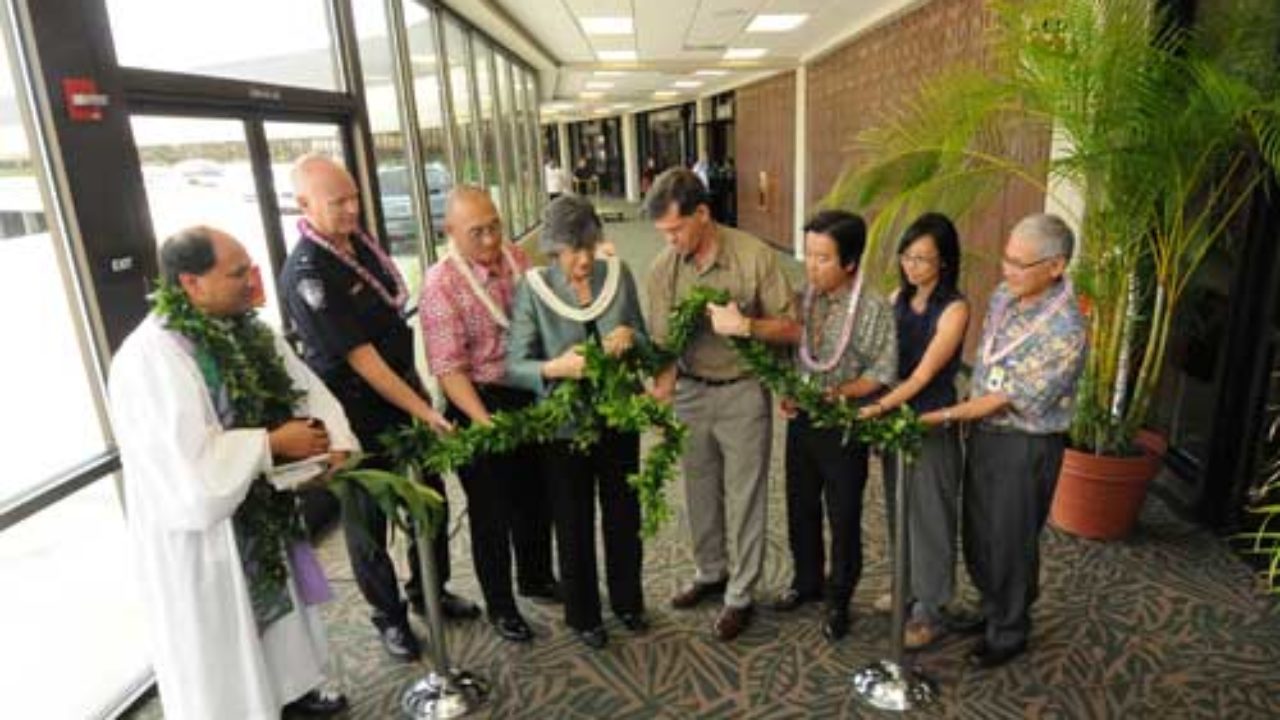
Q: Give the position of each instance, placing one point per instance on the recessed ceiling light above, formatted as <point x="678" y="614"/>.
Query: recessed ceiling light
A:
<point x="590" y="95"/>
<point x="615" y="25"/>
<point x="598" y="85"/>
<point x="776" y="23"/>
<point x="745" y="53"/>
<point x="610" y="73"/>
<point x="666" y="94"/>
<point x="711" y="73"/>
<point x="620" y="106"/>
<point x="687" y="83"/>
<point x="616" y="55"/>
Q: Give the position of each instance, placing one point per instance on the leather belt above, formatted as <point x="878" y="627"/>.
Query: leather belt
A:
<point x="709" y="382"/>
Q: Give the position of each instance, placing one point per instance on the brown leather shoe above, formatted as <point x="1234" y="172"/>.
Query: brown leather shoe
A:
<point x="731" y="622"/>
<point x="697" y="592"/>
<point x="920" y="634"/>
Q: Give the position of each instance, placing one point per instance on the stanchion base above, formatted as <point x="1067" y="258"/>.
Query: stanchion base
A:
<point x="888" y="686"/>
<point x="439" y="697"/>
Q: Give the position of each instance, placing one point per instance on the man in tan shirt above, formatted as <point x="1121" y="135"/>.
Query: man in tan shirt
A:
<point x="728" y="412"/>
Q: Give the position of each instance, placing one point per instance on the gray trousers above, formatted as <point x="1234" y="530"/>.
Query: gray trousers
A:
<point x="932" y="507"/>
<point x="726" y="474"/>
<point x="1008" y="489"/>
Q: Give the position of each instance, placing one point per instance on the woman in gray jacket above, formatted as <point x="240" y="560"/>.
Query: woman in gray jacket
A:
<point x="579" y="299"/>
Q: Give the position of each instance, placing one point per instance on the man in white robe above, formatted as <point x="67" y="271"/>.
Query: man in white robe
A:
<point x="185" y="475"/>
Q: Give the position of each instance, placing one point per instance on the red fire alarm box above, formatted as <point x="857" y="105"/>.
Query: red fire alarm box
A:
<point x="84" y="102"/>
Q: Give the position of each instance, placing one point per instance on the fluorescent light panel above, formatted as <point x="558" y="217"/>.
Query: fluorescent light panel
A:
<point x="745" y="53"/>
<point x="598" y="85"/>
<point x="665" y="94"/>
<point x="590" y="95"/>
<point x="616" y="55"/>
<point x="687" y="83"/>
<point x="711" y="73"/>
<point x="776" y="23"/>
<point x="609" y="25"/>
<point x="610" y="73"/>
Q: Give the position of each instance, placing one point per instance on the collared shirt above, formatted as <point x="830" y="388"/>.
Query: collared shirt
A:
<point x="1039" y="377"/>
<point x="335" y="311"/>
<point x="872" y="351"/>
<point x="743" y="265"/>
<point x="459" y="333"/>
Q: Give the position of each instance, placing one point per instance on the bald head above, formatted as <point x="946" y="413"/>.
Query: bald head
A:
<point x="472" y="222"/>
<point x="327" y="196"/>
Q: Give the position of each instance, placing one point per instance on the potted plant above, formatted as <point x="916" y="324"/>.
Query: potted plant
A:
<point x="1162" y="132"/>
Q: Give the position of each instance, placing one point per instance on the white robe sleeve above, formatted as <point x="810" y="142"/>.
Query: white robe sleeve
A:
<point x="320" y="402"/>
<point x="197" y="473"/>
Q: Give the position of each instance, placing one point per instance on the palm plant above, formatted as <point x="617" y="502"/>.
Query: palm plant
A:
<point x="1163" y="132"/>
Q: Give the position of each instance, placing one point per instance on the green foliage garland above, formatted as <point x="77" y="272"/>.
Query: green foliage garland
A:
<point x="261" y="395"/>
<point x="898" y="431"/>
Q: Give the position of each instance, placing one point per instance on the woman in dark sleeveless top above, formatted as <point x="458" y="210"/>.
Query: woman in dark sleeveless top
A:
<point x="932" y="317"/>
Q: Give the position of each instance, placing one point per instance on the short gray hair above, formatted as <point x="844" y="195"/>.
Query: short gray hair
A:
<point x="1049" y="232"/>
<point x="569" y="223"/>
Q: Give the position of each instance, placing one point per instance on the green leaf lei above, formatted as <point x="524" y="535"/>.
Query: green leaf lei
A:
<point x="261" y="395"/>
<point x="608" y="396"/>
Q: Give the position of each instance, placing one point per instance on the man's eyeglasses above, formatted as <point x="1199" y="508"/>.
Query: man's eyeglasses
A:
<point x="493" y="230"/>
<point x="1020" y="266"/>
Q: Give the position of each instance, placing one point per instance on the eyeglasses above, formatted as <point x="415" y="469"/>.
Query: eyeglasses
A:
<point x="917" y="260"/>
<point x="493" y="230"/>
<point x="1020" y="266"/>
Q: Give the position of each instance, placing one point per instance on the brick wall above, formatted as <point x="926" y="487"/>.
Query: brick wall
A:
<point x="765" y="140"/>
<point x="852" y="88"/>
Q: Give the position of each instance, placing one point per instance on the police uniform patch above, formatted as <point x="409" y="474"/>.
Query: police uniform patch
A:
<point x="312" y="292"/>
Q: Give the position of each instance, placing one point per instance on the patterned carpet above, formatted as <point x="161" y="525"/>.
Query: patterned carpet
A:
<point x="1165" y="624"/>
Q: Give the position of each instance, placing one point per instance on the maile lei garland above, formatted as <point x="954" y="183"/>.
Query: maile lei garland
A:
<point x="262" y="394"/>
<point x="606" y="397"/>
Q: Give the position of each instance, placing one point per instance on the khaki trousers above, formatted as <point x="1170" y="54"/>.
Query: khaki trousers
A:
<point x="726" y="473"/>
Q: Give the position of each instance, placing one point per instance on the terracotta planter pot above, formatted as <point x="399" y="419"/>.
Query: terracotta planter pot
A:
<point x="1099" y="496"/>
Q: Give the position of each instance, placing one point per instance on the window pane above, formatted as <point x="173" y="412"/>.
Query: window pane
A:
<point x="53" y="420"/>
<point x="74" y="639"/>
<point x="197" y="172"/>
<point x="287" y="142"/>
<point x="532" y="179"/>
<point x="488" y="140"/>
<point x="507" y="135"/>
<point x="431" y="116"/>
<point x="522" y="144"/>
<point x="286" y="42"/>
<point x="455" y="40"/>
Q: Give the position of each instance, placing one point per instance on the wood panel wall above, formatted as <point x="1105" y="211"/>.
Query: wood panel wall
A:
<point x="765" y="139"/>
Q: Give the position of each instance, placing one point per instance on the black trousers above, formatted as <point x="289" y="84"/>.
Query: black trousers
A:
<point x="1009" y="487"/>
<point x="575" y="480"/>
<point x="507" y="504"/>
<point x="365" y="526"/>
<point x="819" y="467"/>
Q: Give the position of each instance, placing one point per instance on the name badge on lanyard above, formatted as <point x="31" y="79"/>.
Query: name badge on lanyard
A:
<point x="995" y="379"/>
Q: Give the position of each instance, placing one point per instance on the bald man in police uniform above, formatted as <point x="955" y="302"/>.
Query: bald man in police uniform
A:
<point x="346" y="299"/>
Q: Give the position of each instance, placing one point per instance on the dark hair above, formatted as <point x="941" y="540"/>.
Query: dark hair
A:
<point x="848" y="230"/>
<point x="187" y="251"/>
<point x="569" y="221"/>
<point x="947" y="240"/>
<point x="675" y="185"/>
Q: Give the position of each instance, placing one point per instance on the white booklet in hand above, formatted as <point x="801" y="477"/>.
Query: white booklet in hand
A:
<point x="291" y="475"/>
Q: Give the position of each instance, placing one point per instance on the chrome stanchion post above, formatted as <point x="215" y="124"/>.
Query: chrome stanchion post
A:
<point x="891" y="684"/>
<point x="445" y="692"/>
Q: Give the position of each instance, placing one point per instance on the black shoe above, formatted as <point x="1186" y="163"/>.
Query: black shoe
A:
<point x="547" y="591"/>
<point x="595" y="638"/>
<point x="513" y="628"/>
<point x="791" y="599"/>
<point x="317" y="703"/>
<point x="835" y="623"/>
<point x="635" y="622"/>
<point x="457" y="607"/>
<point x="399" y="642"/>
<point x="985" y="657"/>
